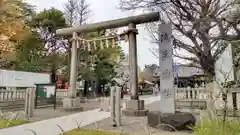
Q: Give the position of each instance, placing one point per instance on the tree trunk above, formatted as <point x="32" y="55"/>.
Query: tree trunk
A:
<point x="208" y="65"/>
<point x="85" y="88"/>
<point x="103" y="87"/>
<point x="53" y="75"/>
<point x="98" y="87"/>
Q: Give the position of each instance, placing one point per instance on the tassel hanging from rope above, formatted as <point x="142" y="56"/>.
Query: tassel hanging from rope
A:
<point x="113" y="43"/>
<point x="89" y="46"/>
<point x="95" y="44"/>
<point x="101" y="45"/>
<point x="107" y="43"/>
<point x="83" y="44"/>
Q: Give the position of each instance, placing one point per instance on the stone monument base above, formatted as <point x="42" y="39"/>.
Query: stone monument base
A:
<point x="135" y="108"/>
<point x="72" y="104"/>
<point x="171" y="122"/>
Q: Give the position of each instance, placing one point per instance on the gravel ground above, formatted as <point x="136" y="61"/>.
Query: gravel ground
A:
<point x="135" y="125"/>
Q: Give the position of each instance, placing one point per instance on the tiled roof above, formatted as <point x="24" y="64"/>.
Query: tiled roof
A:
<point x="182" y="71"/>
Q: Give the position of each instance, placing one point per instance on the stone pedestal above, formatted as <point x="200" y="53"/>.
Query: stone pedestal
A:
<point x="72" y="104"/>
<point x="135" y="108"/>
<point x="170" y="122"/>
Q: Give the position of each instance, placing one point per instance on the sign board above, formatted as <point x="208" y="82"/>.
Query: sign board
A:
<point x="45" y="95"/>
<point x="167" y="103"/>
<point x="50" y="91"/>
<point x="10" y="78"/>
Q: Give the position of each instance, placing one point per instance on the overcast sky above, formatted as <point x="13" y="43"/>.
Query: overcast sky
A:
<point x="106" y="10"/>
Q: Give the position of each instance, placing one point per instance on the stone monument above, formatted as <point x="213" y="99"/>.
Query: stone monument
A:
<point x="166" y="110"/>
<point x="167" y="104"/>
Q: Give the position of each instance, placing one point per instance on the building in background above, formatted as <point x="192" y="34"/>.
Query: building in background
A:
<point x="184" y="76"/>
<point x="188" y="76"/>
<point x="10" y="79"/>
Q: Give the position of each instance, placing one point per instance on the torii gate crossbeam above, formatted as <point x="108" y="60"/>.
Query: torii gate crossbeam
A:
<point x="140" y="19"/>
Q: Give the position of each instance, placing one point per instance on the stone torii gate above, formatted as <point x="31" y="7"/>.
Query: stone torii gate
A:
<point x="134" y="106"/>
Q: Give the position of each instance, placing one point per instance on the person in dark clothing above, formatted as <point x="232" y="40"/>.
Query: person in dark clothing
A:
<point x="141" y="89"/>
<point x="122" y="92"/>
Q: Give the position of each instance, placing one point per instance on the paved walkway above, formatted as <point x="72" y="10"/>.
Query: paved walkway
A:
<point x="49" y="127"/>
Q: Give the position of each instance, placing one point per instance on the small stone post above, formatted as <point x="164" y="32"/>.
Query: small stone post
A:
<point x="32" y="101"/>
<point x="113" y="103"/>
<point x="27" y="103"/>
<point x="118" y="105"/>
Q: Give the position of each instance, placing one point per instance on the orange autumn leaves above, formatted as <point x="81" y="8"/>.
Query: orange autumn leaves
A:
<point x="12" y="26"/>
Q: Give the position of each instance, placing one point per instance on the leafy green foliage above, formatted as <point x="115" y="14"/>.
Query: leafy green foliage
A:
<point x="99" y="64"/>
<point x="30" y="53"/>
<point x="52" y="19"/>
<point x="42" y="51"/>
<point x="39" y="52"/>
<point x="106" y="62"/>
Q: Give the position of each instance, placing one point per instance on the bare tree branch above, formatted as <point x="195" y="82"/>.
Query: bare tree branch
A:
<point x="154" y="52"/>
<point x="70" y="8"/>
<point x="83" y="11"/>
<point x="202" y="23"/>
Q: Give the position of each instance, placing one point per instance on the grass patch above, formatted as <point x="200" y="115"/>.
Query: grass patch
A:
<point x="12" y="123"/>
<point x="217" y="127"/>
<point x="91" y="132"/>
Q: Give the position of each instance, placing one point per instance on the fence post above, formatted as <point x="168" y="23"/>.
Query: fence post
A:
<point x="29" y="102"/>
<point x="32" y="101"/>
<point x="118" y="105"/>
<point x="112" y="102"/>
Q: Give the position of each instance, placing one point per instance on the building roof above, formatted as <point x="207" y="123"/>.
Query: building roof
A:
<point x="184" y="71"/>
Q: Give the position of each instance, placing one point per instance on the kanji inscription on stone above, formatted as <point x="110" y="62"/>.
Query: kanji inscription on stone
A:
<point x="167" y="93"/>
<point x="164" y="54"/>
<point x="164" y="37"/>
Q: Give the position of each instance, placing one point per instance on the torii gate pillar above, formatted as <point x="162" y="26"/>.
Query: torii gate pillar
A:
<point x="72" y="103"/>
<point x="132" y="32"/>
<point x="134" y="107"/>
